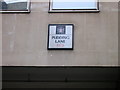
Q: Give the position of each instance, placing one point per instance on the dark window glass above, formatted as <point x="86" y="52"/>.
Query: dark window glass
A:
<point x="14" y="5"/>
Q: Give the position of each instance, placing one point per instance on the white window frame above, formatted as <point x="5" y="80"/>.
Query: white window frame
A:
<point x="72" y="10"/>
<point x="18" y="11"/>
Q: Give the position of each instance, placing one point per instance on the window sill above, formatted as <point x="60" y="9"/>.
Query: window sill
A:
<point x="73" y="11"/>
<point x="27" y="11"/>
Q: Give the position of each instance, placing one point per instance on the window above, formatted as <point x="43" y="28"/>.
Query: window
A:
<point x="14" y="6"/>
<point x="74" y="6"/>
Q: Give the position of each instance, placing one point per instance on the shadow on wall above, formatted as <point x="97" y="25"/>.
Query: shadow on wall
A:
<point x="84" y="78"/>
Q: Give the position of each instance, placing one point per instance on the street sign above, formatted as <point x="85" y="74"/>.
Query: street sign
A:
<point x="60" y="36"/>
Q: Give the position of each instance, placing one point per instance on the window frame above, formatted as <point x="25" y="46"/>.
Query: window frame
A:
<point x="19" y="11"/>
<point x="72" y="10"/>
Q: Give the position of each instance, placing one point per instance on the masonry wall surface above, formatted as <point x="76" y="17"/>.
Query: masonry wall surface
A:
<point x="24" y="37"/>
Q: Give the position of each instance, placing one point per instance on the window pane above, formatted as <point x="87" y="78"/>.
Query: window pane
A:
<point x="74" y="4"/>
<point x="14" y="5"/>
